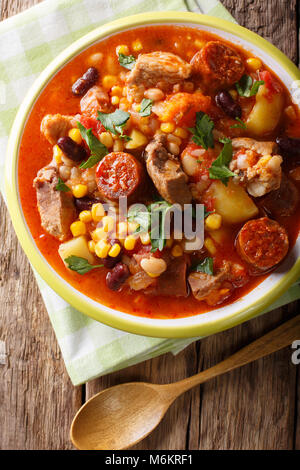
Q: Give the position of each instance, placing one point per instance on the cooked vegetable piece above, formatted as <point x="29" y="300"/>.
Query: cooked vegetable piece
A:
<point x="182" y="107"/>
<point x="266" y="112"/>
<point x="56" y="208"/>
<point x="84" y="83"/>
<point x="232" y="202"/>
<point x="217" y="64"/>
<point x="219" y="167"/>
<point x="146" y="106"/>
<point x="119" y="174"/>
<point x="246" y="87"/>
<point x="230" y="107"/>
<point x="76" y="247"/>
<point x="127" y="61"/>
<point x="98" y="150"/>
<point x="202" y="132"/>
<point x="262" y="243"/>
<point x="115" y="122"/>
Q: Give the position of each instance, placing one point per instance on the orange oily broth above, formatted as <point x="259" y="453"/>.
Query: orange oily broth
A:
<point x="57" y="98"/>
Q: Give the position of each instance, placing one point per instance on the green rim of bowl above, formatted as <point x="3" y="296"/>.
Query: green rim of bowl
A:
<point x="133" y="324"/>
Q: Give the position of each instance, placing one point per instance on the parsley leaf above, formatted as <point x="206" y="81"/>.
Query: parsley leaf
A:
<point x="61" y="186"/>
<point x="203" y="131"/>
<point x="127" y="61"/>
<point x="219" y="168"/>
<point x="246" y="87"/>
<point x="139" y="216"/>
<point x="80" y="265"/>
<point x="206" y="266"/>
<point x="146" y="107"/>
<point x="98" y="150"/>
<point x="241" y="124"/>
<point x="115" y="122"/>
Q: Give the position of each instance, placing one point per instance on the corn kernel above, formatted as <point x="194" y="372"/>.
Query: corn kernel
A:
<point x="122" y="229"/>
<point x="97" y="212"/>
<point x="254" y="63"/>
<point x="102" y="248"/>
<point x="116" y="91"/>
<point x="199" y="44"/>
<point x="145" y="238"/>
<point x="177" y="251"/>
<point x="115" y="250"/>
<point x="129" y="242"/>
<point x="153" y="275"/>
<point x="122" y="49"/>
<point x="264" y="160"/>
<point x="75" y="135"/>
<point x="85" y="216"/>
<point x="118" y="146"/>
<point x="233" y="94"/>
<point x="57" y="153"/>
<point x="137" y="45"/>
<point x="132" y="226"/>
<point x="109" y="81"/>
<point x="180" y="132"/>
<point x="213" y="221"/>
<point x="91" y="246"/>
<point x="115" y="100"/>
<point x="78" y="228"/>
<point x="80" y="190"/>
<point x="99" y="234"/>
<point x="106" y="139"/>
<point x="108" y="223"/>
<point x="210" y="246"/>
<point x="167" y="127"/>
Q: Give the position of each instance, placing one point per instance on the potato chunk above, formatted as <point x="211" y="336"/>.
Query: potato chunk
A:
<point x="232" y="202"/>
<point x="76" y="247"/>
<point x="266" y="112"/>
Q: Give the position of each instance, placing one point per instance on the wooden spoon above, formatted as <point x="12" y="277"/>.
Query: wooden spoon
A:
<point x="121" y="416"/>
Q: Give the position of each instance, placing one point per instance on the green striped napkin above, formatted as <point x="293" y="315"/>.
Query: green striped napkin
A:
<point x="28" y="42"/>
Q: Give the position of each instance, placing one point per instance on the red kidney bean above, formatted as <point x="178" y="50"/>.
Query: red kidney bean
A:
<point x="117" y="276"/>
<point x="289" y="145"/>
<point x="85" y="203"/>
<point x="74" y="151"/>
<point x="84" y="83"/>
<point x="225" y="101"/>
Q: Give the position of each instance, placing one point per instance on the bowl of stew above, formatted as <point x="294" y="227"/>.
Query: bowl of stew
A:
<point x="161" y="110"/>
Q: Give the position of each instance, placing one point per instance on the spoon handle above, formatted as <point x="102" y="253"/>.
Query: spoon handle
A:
<point x="273" y="341"/>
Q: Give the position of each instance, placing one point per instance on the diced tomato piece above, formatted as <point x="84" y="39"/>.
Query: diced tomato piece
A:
<point x="182" y="107"/>
<point x="272" y="85"/>
<point x="92" y="123"/>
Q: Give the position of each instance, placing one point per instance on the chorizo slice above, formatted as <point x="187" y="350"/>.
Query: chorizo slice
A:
<point x="282" y="202"/>
<point x="262" y="243"/>
<point x="119" y="174"/>
<point x="218" y="64"/>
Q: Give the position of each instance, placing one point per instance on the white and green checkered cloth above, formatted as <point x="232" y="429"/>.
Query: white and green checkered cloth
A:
<point x="28" y="42"/>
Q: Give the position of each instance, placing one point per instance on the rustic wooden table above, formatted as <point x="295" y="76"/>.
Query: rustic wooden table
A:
<point x="256" y="407"/>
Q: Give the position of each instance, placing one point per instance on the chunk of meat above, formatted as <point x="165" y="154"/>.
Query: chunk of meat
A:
<point x="158" y="69"/>
<point x="218" y="64"/>
<point x="140" y="281"/>
<point x="284" y="201"/>
<point x="173" y="281"/>
<point x="56" y="208"/>
<point x="54" y="126"/>
<point x="166" y="173"/>
<point x="120" y="174"/>
<point x="262" y="243"/>
<point x="96" y="99"/>
<point x="205" y="286"/>
<point x="256" y="165"/>
<point x="182" y="108"/>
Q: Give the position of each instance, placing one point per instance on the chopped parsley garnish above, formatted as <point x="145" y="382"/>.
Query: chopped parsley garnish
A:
<point x="115" y="122"/>
<point x="202" y="132"/>
<point x="206" y="266"/>
<point x="61" y="186"/>
<point x="219" y="168"/>
<point x="80" y="265"/>
<point x="146" y="107"/>
<point x="240" y="125"/>
<point x="246" y="87"/>
<point x="127" y="61"/>
<point x="98" y="150"/>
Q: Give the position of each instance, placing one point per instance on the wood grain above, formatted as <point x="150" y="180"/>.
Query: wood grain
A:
<point x="256" y="407"/>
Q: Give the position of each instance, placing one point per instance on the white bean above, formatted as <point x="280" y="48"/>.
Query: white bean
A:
<point x="173" y="148"/>
<point x="154" y="94"/>
<point x="154" y="266"/>
<point x="64" y="172"/>
<point x="189" y="164"/>
<point x="173" y="138"/>
<point x="274" y="163"/>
